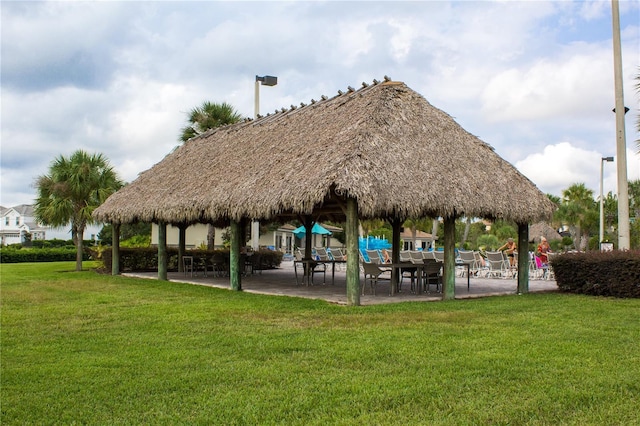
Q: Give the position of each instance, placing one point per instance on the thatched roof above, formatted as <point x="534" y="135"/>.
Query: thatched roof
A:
<point x="543" y="229"/>
<point x="383" y="144"/>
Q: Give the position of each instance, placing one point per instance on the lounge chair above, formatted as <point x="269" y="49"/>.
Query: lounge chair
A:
<point x="498" y="264"/>
<point x="467" y="257"/>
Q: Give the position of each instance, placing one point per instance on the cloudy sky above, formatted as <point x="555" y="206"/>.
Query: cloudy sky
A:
<point x="532" y="79"/>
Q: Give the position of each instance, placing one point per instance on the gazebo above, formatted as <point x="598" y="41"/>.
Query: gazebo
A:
<point x="382" y="151"/>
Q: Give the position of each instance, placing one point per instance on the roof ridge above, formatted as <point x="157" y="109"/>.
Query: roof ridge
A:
<point x="323" y="100"/>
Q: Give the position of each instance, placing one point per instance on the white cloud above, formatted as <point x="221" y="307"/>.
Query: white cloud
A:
<point x="573" y="85"/>
<point x="561" y="165"/>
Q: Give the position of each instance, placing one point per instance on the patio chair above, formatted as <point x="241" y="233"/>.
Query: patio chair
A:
<point x="187" y="265"/>
<point x="374" y="256"/>
<point x="429" y="254"/>
<point x="373" y="273"/>
<point x="338" y="255"/>
<point x="415" y="256"/>
<point x="439" y="254"/>
<point x="481" y="264"/>
<point x="432" y="274"/>
<point x="314" y="267"/>
<point x="467" y="257"/>
<point x="322" y="255"/>
<point x="535" y="270"/>
<point x="539" y="269"/>
<point x="498" y="264"/>
<point x="219" y="265"/>
<point x="409" y="272"/>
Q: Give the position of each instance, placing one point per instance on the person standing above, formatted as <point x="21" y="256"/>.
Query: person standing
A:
<point x="510" y="248"/>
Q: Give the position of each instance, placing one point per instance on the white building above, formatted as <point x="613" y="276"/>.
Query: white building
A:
<point x="18" y="221"/>
<point x="281" y="239"/>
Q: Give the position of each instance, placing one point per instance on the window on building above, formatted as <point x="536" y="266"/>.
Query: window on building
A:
<point x="6" y="220"/>
<point x="18" y="220"/>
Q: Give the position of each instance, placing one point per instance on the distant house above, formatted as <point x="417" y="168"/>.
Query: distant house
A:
<point x="423" y="241"/>
<point x="18" y="224"/>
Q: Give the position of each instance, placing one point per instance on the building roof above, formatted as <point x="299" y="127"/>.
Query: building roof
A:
<point x="420" y="235"/>
<point x="383" y="144"/>
<point x="25" y="210"/>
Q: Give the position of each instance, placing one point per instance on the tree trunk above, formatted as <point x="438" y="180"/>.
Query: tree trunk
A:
<point x="414" y="232"/>
<point x="434" y="231"/>
<point x="79" y="235"/>
<point x="467" y="226"/>
<point x="115" y="249"/>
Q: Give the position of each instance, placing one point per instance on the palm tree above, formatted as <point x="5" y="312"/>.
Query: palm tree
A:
<point x="415" y="225"/>
<point x="206" y="117"/>
<point x="72" y="190"/>
<point x="209" y="116"/>
<point x="577" y="209"/>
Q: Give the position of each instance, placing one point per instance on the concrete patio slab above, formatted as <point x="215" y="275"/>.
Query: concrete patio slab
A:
<point x="282" y="282"/>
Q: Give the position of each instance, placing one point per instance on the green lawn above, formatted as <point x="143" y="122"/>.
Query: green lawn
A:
<point x="87" y="348"/>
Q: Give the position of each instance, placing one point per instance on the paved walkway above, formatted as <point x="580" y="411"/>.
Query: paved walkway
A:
<point x="282" y="282"/>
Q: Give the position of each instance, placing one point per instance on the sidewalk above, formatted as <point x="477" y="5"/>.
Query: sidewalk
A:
<point x="282" y="282"/>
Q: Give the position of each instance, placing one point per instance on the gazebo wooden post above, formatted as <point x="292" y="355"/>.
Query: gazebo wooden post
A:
<point x="162" y="251"/>
<point x="308" y="235"/>
<point x="396" y="223"/>
<point x="449" y="272"/>
<point x="115" y="249"/>
<point x="523" y="258"/>
<point x="235" y="273"/>
<point x="182" y="237"/>
<point x="353" y="259"/>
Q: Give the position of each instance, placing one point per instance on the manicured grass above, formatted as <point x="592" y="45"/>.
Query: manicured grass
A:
<point x="93" y="349"/>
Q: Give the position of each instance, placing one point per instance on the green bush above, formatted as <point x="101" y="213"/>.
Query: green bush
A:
<point x="614" y="273"/>
<point x="55" y="243"/>
<point x="13" y="255"/>
<point x="143" y="259"/>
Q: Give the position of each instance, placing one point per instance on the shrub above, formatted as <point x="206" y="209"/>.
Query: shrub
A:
<point x="53" y="243"/>
<point x="63" y="254"/>
<point x="146" y="258"/>
<point x="614" y="273"/>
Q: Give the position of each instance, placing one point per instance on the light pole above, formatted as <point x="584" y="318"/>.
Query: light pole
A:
<point x="609" y="159"/>
<point x="267" y="80"/>
<point x="624" y="242"/>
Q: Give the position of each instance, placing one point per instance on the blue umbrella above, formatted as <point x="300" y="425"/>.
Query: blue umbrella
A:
<point x="317" y="229"/>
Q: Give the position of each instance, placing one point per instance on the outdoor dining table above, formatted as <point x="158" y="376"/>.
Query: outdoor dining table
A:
<point x="395" y="267"/>
<point x="307" y="268"/>
<point x="468" y="272"/>
<point x="399" y="266"/>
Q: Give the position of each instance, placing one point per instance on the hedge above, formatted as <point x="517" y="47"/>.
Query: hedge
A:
<point x="62" y="254"/>
<point x="146" y="259"/>
<point x="615" y="273"/>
